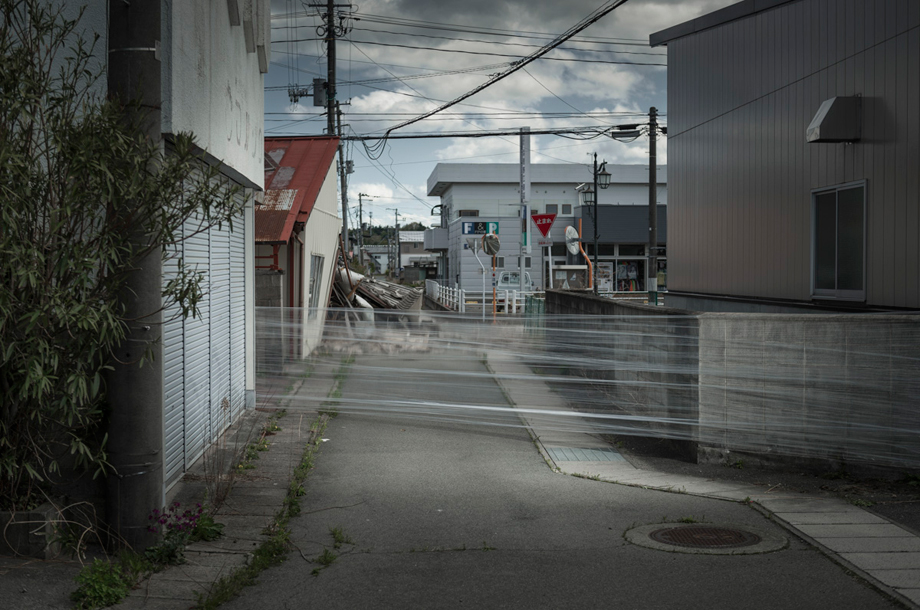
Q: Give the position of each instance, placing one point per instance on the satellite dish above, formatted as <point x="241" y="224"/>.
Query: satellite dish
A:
<point x="571" y="239"/>
<point x="490" y="244"/>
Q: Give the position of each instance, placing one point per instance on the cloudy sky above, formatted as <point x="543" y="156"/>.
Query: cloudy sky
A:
<point x="402" y="58"/>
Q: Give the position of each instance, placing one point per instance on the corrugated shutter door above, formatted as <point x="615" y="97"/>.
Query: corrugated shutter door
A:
<point x="219" y="295"/>
<point x="205" y="356"/>
<point x="197" y="348"/>
<point x="237" y="317"/>
<point x="173" y="383"/>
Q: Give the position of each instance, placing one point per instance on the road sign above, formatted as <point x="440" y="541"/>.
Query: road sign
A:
<point x="544" y="222"/>
<point x="480" y="228"/>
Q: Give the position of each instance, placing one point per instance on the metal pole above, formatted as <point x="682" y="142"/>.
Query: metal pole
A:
<point x="525" y="200"/>
<point x="652" y="282"/>
<point x="344" y="180"/>
<point x="361" y="228"/>
<point x="135" y="393"/>
<point x="596" y="197"/>
<point x="330" y="70"/>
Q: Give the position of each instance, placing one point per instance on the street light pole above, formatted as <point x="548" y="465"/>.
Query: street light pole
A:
<point x="595" y="224"/>
<point x="652" y="275"/>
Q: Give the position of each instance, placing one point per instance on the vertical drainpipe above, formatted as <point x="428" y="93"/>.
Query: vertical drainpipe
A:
<point x="135" y="394"/>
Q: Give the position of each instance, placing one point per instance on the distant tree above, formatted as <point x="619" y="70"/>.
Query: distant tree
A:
<point x="78" y="185"/>
<point x="413" y="226"/>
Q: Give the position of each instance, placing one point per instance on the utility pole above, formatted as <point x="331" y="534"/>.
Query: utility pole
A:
<point x="652" y="281"/>
<point x="361" y="227"/>
<point x="525" y="201"/>
<point x="329" y="35"/>
<point x="395" y="247"/>
<point x="343" y="173"/>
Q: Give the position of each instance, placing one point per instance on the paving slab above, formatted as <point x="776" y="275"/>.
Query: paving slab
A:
<point x="856" y="530"/>
<point x="884" y="561"/>
<point x="898" y="544"/>
<point x="830" y="518"/>
<point x="899" y="579"/>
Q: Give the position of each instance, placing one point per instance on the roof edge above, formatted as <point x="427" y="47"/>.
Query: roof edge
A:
<point x="733" y="12"/>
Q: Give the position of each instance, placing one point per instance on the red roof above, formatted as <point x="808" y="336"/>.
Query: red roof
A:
<point x="295" y="169"/>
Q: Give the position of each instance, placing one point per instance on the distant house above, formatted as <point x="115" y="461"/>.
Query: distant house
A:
<point x="794" y="143"/>
<point x="297" y="237"/>
<point x="377" y="257"/>
<point x="415" y="262"/>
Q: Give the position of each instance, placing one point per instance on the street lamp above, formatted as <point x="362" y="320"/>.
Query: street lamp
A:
<point x="589" y="196"/>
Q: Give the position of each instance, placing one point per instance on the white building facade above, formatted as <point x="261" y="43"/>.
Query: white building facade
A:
<point x="483" y="198"/>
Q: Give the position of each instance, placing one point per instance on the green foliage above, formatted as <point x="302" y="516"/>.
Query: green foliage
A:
<point x="206" y="529"/>
<point x="100" y="585"/>
<point x="86" y="198"/>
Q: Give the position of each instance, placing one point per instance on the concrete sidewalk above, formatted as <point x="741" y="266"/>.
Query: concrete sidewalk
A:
<point x="256" y="497"/>
<point x="886" y="555"/>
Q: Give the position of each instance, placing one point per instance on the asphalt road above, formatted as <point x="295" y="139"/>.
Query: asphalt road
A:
<point x="442" y="514"/>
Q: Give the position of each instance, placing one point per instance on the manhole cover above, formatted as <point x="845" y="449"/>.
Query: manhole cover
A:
<point x="705" y="537"/>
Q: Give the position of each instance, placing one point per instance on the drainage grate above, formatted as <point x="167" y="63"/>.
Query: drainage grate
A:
<point x="564" y="454"/>
<point x="704" y="537"/>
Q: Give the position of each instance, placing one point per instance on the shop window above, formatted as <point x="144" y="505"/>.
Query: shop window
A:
<point x="838" y="242"/>
<point x="630" y="276"/>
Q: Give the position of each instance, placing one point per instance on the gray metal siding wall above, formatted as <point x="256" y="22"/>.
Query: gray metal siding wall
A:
<point x="740" y="96"/>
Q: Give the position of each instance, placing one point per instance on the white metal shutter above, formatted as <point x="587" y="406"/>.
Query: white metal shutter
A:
<point x="198" y="347"/>
<point x="173" y="381"/>
<point x="237" y="316"/>
<point x="205" y="356"/>
<point x="219" y="295"/>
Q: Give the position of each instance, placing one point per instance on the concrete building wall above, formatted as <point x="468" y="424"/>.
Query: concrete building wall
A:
<point x="740" y="96"/>
<point x="212" y="79"/>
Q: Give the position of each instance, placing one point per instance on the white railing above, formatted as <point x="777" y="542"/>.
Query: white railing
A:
<point x="511" y="302"/>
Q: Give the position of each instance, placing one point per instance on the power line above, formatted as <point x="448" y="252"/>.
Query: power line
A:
<point x="592" y="18"/>
<point x="587" y="132"/>
<point x="490" y="54"/>
<point x="477" y="41"/>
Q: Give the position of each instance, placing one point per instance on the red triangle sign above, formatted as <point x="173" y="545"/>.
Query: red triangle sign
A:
<point x="544" y="222"/>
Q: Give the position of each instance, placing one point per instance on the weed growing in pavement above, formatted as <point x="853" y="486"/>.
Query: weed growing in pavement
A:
<point x="836" y="475"/>
<point x="101" y="584"/>
<point x="687" y="520"/>
<point x="325" y="559"/>
<point x="178" y="529"/>
<point x="339" y="537"/>
<point x="738" y="464"/>
<point x="860" y="502"/>
<point x="329" y="406"/>
<point x="275" y="549"/>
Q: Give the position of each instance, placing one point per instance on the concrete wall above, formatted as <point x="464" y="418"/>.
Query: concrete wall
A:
<point x="646" y="358"/>
<point x="212" y="79"/>
<point x="841" y="389"/>
<point x="827" y="389"/>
